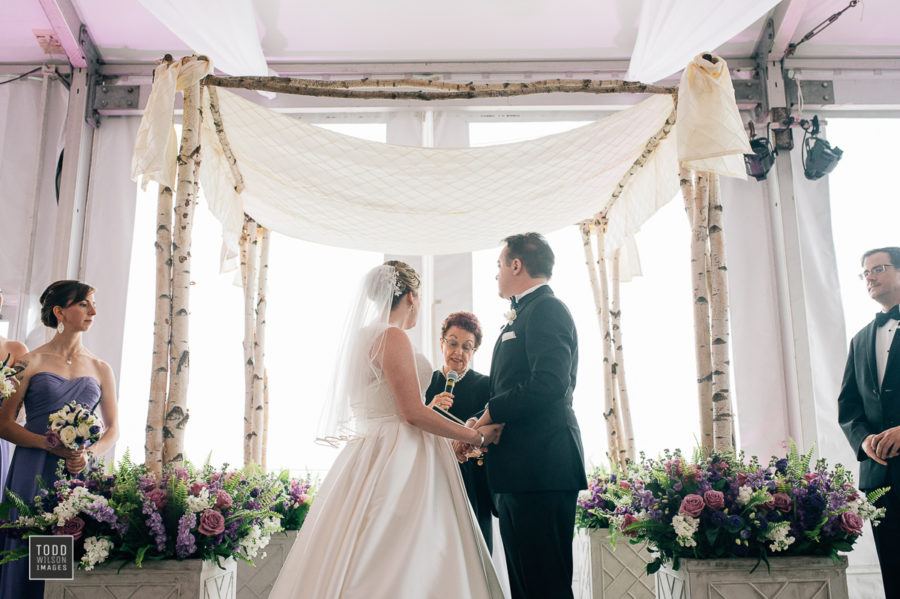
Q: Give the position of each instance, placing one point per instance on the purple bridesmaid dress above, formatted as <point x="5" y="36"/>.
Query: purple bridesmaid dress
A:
<point x="47" y="392"/>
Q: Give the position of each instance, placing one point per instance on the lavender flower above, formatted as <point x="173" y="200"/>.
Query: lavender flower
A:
<point x="186" y="544"/>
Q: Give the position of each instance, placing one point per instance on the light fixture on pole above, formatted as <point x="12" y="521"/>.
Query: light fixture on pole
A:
<point x="761" y="160"/>
<point x="818" y="157"/>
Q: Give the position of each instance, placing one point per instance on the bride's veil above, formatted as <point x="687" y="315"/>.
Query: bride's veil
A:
<point x="360" y="346"/>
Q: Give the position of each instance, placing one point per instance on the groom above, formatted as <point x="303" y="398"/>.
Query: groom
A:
<point x="537" y="468"/>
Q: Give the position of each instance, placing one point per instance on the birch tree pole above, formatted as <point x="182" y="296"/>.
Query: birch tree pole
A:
<point x="185" y="198"/>
<point x="159" y="370"/>
<point x="258" y="406"/>
<point x="597" y="273"/>
<point x="722" y="420"/>
<point x="249" y="277"/>
<point x="615" y="314"/>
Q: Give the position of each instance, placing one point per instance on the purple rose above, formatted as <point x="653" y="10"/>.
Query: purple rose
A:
<point x="851" y="523"/>
<point x="692" y="505"/>
<point x="783" y="502"/>
<point x="714" y="499"/>
<point x="212" y="523"/>
<point x="52" y="439"/>
<point x="223" y="501"/>
<point x="158" y="497"/>
<point x="197" y="487"/>
<point x="75" y="526"/>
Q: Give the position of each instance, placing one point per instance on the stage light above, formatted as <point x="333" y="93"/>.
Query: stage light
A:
<point x="761" y="160"/>
<point x="818" y="157"/>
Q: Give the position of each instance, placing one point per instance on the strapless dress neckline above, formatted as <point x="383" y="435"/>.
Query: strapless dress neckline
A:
<point x="61" y="377"/>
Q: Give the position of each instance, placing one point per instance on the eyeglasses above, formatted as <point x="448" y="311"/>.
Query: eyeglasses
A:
<point x="876" y="270"/>
<point x="466" y="347"/>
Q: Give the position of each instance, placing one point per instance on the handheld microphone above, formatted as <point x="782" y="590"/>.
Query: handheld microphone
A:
<point x="452" y="377"/>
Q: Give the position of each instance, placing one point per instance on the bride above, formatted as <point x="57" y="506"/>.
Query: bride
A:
<point x="391" y="519"/>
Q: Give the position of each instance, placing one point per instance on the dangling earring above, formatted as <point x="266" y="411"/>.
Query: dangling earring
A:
<point x="60" y="327"/>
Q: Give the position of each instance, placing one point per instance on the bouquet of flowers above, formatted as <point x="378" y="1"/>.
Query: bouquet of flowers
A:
<point x="294" y="500"/>
<point x="723" y="506"/>
<point x="74" y="426"/>
<point x="8" y="378"/>
<point x="132" y="515"/>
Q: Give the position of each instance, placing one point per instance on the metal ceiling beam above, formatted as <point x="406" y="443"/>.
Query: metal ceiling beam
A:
<point x="71" y="33"/>
<point x="785" y="19"/>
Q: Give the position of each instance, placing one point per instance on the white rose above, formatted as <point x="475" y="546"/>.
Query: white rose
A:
<point x="67" y="435"/>
<point x="84" y="430"/>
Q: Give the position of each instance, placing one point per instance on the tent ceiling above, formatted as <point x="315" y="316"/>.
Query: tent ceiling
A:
<point x="466" y="30"/>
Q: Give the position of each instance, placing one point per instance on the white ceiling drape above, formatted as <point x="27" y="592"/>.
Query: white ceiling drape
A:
<point x="671" y="32"/>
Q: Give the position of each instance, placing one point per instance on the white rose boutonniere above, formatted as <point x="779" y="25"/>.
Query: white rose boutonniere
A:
<point x="510" y="316"/>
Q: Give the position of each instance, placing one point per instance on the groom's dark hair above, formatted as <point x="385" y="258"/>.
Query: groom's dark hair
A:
<point x="534" y="252"/>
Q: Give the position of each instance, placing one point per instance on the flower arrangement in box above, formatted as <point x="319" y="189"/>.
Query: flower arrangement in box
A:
<point x="726" y="506"/>
<point x="294" y="500"/>
<point x="130" y="515"/>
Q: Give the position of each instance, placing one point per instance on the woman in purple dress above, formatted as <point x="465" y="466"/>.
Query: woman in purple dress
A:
<point x="54" y="374"/>
<point x="10" y="351"/>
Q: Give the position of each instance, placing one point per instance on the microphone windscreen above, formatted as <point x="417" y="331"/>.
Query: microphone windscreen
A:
<point x="452" y="376"/>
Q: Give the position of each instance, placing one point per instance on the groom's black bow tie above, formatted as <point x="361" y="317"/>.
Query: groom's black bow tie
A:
<point x="513" y="304"/>
<point x="882" y="317"/>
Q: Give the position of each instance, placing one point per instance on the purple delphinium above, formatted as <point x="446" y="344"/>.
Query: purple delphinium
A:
<point x="155" y="524"/>
<point x="186" y="544"/>
<point x="105" y="514"/>
<point x="231" y="529"/>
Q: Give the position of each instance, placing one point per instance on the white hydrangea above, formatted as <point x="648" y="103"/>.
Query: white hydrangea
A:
<point x="200" y="502"/>
<point x="745" y="494"/>
<point x="585" y="495"/>
<point x="685" y="526"/>
<point x="7" y="388"/>
<point x="778" y="534"/>
<point x="77" y="500"/>
<point x="96" y="550"/>
<point x="258" y="537"/>
<point x="867" y="511"/>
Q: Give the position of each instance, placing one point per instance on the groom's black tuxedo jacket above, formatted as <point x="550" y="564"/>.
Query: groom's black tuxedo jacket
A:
<point x="532" y="378"/>
<point x="865" y="408"/>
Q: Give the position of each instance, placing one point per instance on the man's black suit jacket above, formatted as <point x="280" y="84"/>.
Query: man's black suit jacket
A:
<point x="533" y="373"/>
<point x="865" y="408"/>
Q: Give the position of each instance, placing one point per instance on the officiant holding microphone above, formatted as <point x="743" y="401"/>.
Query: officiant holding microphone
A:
<point x="460" y="339"/>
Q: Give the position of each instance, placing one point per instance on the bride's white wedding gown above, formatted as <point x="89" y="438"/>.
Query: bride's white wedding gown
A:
<point x="391" y="519"/>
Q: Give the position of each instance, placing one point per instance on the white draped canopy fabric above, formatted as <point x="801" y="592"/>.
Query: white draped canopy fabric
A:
<point x="320" y="186"/>
<point x="329" y="188"/>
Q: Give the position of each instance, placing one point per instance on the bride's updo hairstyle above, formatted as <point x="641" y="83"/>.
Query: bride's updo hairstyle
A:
<point x="62" y="294"/>
<point x="408" y="280"/>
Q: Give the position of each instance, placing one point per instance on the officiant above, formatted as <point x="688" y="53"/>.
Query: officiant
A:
<point x="460" y="339"/>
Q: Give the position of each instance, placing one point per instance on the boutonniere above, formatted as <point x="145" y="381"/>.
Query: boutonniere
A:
<point x="510" y="316"/>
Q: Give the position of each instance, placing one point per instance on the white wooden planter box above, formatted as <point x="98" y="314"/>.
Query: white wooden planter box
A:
<point x="255" y="582"/>
<point x="602" y="572"/>
<point x="172" y="579"/>
<point x="793" y="577"/>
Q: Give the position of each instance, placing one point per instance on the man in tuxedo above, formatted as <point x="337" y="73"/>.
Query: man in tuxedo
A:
<point x="537" y="468"/>
<point x="869" y="404"/>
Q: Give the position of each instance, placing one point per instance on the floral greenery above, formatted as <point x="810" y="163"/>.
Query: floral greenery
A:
<point x="598" y="501"/>
<point x="725" y="505"/>
<point x="295" y="498"/>
<point x="130" y="515"/>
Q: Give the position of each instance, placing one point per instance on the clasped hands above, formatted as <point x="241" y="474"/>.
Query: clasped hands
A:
<point x="76" y="460"/>
<point x="883" y="446"/>
<point x="491" y="433"/>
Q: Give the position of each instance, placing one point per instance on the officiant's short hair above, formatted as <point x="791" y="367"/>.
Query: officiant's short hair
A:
<point x="534" y="252"/>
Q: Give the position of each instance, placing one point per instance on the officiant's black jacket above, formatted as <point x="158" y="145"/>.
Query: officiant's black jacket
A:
<point x="865" y="408"/>
<point x="532" y="379"/>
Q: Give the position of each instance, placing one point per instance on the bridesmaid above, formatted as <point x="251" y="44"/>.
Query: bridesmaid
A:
<point x="11" y="351"/>
<point x="54" y="374"/>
